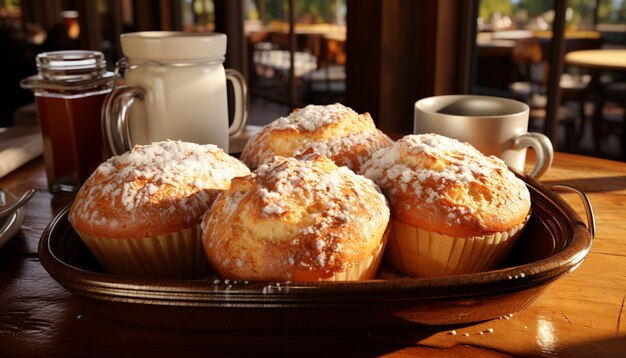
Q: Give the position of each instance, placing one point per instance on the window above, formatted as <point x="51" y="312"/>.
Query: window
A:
<point x="296" y="60"/>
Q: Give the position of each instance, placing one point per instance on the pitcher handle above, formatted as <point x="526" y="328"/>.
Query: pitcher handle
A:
<point x="115" y="128"/>
<point x="241" y="102"/>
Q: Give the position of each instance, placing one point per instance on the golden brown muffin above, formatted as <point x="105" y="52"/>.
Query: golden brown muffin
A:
<point x="139" y="213"/>
<point x="336" y="131"/>
<point x="297" y="219"/>
<point x="459" y="200"/>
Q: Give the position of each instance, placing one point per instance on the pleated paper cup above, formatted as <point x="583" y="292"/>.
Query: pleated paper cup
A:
<point x="175" y="255"/>
<point x="420" y="253"/>
<point x="367" y="268"/>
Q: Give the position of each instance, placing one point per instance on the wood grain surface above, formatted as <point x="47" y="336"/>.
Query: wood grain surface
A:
<point x="580" y="315"/>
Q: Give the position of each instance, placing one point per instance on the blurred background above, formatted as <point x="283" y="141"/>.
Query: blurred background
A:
<point x="378" y="56"/>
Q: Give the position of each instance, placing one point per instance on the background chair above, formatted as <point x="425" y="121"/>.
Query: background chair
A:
<point x="531" y="71"/>
<point x="606" y="119"/>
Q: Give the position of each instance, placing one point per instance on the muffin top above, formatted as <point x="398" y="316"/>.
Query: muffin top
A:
<point x="440" y="184"/>
<point x="301" y="218"/>
<point x="336" y="131"/>
<point x="152" y="190"/>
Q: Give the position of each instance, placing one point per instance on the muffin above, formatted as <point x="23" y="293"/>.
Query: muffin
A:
<point x="301" y="218"/>
<point x="336" y="131"/>
<point x="139" y="213"/>
<point x="453" y="209"/>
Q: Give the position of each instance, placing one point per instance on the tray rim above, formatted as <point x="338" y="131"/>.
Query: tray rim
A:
<point x="207" y="293"/>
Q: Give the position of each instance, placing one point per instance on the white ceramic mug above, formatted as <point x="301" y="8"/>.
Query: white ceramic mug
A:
<point x="493" y="125"/>
<point x="180" y="81"/>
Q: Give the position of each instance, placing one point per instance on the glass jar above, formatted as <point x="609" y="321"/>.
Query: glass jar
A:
<point x="70" y="88"/>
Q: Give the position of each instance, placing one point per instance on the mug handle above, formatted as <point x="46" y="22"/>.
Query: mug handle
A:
<point x="241" y="102"/>
<point x="115" y="128"/>
<point x="542" y="146"/>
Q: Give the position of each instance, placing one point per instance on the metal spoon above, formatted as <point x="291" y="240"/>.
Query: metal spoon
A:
<point x="8" y="209"/>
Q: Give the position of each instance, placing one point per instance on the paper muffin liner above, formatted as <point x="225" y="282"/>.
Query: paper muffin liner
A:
<point x="176" y="255"/>
<point x="365" y="269"/>
<point x="420" y="253"/>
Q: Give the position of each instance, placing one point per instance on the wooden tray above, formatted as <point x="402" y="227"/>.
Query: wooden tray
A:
<point x="553" y="244"/>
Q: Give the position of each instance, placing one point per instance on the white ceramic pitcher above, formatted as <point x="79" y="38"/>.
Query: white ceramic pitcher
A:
<point x="180" y="81"/>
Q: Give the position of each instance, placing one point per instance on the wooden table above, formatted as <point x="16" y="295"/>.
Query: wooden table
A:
<point x="603" y="59"/>
<point x="580" y="315"/>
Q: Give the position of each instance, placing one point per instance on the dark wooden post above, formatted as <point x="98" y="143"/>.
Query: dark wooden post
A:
<point x="556" y="69"/>
<point x="146" y="15"/>
<point x="399" y="51"/>
<point x="117" y="24"/>
<point x="293" y="96"/>
<point x="90" y="25"/>
<point x="229" y="20"/>
<point x="171" y="16"/>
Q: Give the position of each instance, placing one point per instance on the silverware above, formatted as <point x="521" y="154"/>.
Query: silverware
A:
<point x="9" y="208"/>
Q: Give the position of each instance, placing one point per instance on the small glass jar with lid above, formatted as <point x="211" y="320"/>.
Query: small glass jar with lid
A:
<point x="70" y="88"/>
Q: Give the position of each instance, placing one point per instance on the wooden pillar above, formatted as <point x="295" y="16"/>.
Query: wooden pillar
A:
<point x="229" y="20"/>
<point x="44" y="13"/>
<point x="292" y="52"/>
<point x="171" y="16"/>
<point x="90" y="25"/>
<point x="556" y="69"/>
<point x="363" y="56"/>
<point x="117" y="24"/>
<point x="146" y="15"/>
<point x="399" y="51"/>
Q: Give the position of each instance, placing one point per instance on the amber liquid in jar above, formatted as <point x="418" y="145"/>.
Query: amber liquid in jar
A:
<point x="70" y="89"/>
<point x="72" y="140"/>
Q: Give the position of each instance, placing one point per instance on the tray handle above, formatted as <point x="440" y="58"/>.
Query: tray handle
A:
<point x="10" y="208"/>
<point x="591" y="221"/>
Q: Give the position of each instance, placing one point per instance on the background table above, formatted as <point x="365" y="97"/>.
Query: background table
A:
<point x="598" y="62"/>
<point x="580" y="315"/>
<point x="602" y="59"/>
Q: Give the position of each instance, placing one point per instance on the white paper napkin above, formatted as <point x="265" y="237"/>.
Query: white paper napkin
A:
<point x="18" y="145"/>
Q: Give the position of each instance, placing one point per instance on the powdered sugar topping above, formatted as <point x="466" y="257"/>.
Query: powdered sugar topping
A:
<point x="313" y="117"/>
<point x="179" y="173"/>
<point x="334" y="130"/>
<point x="441" y="172"/>
<point x="314" y="197"/>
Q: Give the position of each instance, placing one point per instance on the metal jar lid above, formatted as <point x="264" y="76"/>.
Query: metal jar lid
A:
<point x="75" y="70"/>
